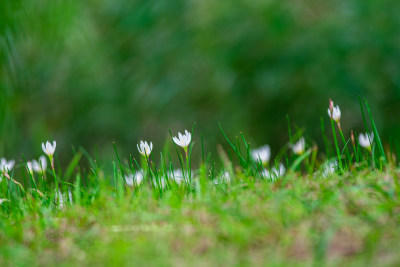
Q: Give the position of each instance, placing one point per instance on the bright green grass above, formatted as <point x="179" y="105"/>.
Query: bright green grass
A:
<point x="312" y="216"/>
<point x="351" y="220"/>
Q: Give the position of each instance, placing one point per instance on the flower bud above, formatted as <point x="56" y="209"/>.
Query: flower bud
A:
<point x="330" y="105"/>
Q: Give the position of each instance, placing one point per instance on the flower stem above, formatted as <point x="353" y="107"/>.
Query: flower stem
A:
<point x="57" y="195"/>
<point x="187" y="165"/>
<point x="336" y="145"/>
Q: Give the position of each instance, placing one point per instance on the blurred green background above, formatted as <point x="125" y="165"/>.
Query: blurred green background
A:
<point x="90" y="72"/>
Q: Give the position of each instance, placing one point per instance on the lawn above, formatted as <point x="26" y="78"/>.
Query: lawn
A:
<point x="339" y="207"/>
<point x="350" y="220"/>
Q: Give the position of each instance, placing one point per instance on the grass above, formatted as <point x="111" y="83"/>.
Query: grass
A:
<point x="348" y="220"/>
<point x="222" y="213"/>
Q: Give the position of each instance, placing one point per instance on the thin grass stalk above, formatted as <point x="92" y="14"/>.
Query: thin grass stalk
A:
<point x="313" y="160"/>
<point x="131" y="164"/>
<point x="299" y="160"/>
<point x="244" y="163"/>
<point x="164" y="167"/>
<point x="345" y="145"/>
<point x="212" y="170"/>
<point x="345" y="148"/>
<point x="356" y="152"/>
<point x="119" y="163"/>
<point x="250" y="159"/>
<point x="61" y="179"/>
<point x="188" y="152"/>
<point x="148" y="167"/>
<point x="376" y="133"/>
<point x="115" y="180"/>
<point x="29" y="173"/>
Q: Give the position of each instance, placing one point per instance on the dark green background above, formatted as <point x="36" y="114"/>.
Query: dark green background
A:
<point x="90" y="72"/>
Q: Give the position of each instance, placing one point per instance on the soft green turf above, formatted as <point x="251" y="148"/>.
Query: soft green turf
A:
<point x="351" y="220"/>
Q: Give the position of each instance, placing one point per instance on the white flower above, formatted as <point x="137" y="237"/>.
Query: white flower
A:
<point x="5" y="165"/>
<point x="49" y="149"/>
<point x="366" y="140"/>
<point x="275" y="173"/>
<point x="224" y="178"/>
<point x="335" y="114"/>
<point x="299" y="147"/>
<point x="40" y="166"/>
<point x="60" y="199"/>
<point x="177" y="176"/>
<point x="183" y="140"/>
<point x="134" y="179"/>
<point x="70" y="195"/>
<point x="262" y="153"/>
<point x="63" y="199"/>
<point x="129" y="179"/>
<point x="329" y="168"/>
<point x="145" y="149"/>
<point x="279" y="172"/>
<point x="265" y="173"/>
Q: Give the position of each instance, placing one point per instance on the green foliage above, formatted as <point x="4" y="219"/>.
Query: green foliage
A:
<point x="87" y="72"/>
<point x="319" y="212"/>
<point x="351" y="220"/>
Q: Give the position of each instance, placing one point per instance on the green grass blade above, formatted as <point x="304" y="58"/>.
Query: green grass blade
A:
<point x="299" y="160"/>
<point x="376" y="133"/>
